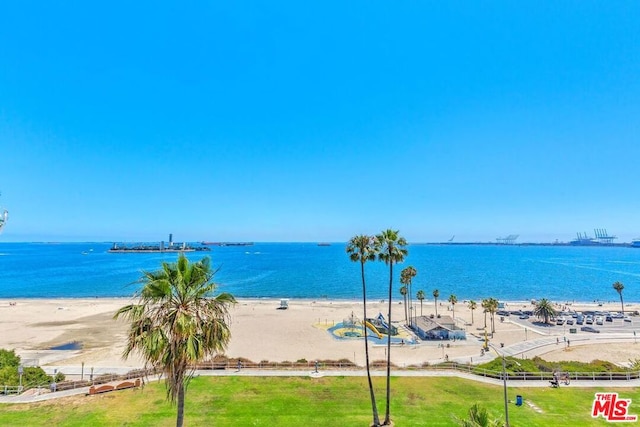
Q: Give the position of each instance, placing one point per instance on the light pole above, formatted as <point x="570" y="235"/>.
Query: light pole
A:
<point x="504" y="385"/>
<point x="20" y="372"/>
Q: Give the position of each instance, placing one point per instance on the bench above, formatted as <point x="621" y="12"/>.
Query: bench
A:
<point x="112" y="386"/>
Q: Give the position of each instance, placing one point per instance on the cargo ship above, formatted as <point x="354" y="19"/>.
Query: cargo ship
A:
<point x="156" y="247"/>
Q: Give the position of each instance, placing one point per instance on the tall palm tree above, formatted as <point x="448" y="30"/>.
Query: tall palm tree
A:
<point x="453" y="300"/>
<point x="472" y="306"/>
<point x="403" y="292"/>
<point x="391" y="249"/>
<point x="544" y="308"/>
<point x="493" y="309"/>
<point x="436" y="294"/>
<point x="619" y="287"/>
<point x="420" y="297"/>
<point x="361" y="249"/>
<point x="177" y="322"/>
<point x="410" y="272"/>
<point x="485" y="308"/>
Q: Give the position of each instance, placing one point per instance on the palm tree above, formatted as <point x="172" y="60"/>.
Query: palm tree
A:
<point x="544" y="308"/>
<point x="485" y="306"/>
<point x="478" y="417"/>
<point x="436" y="294"/>
<point x="420" y="297"/>
<point x="619" y="287"/>
<point x="403" y="292"/>
<point x="361" y="249"/>
<point x="472" y="306"/>
<point x="493" y="309"/>
<point x="410" y="272"/>
<point x="453" y="300"/>
<point x="390" y="247"/>
<point x="177" y="322"/>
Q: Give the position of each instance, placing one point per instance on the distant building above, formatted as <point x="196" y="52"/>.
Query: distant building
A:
<point x="439" y="328"/>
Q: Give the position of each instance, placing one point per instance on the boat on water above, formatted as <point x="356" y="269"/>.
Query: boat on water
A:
<point x="154" y="247"/>
<point x="324" y="244"/>
<point x="635" y="243"/>
<point x="205" y="243"/>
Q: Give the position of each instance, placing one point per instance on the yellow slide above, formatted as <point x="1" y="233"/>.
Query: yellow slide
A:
<point x="374" y="329"/>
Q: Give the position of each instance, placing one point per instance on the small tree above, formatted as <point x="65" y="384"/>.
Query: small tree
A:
<point x="478" y="417"/>
<point x="544" y="309"/>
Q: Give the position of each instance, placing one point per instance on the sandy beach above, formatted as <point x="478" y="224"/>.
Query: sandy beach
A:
<point x="260" y="331"/>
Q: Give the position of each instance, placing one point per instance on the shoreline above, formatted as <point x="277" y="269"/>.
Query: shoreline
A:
<point x="260" y="331"/>
<point x="630" y="303"/>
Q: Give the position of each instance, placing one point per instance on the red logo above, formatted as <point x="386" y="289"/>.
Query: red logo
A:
<point x="612" y="408"/>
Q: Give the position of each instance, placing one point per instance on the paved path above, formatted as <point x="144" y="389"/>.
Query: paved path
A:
<point x="341" y="373"/>
<point x="531" y="348"/>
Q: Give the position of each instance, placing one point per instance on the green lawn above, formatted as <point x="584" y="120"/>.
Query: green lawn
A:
<point x="343" y="401"/>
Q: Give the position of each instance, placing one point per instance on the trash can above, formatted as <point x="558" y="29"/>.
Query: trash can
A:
<point x="518" y="400"/>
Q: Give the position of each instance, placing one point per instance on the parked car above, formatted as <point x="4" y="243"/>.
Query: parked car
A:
<point x="580" y="320"/>
<point x="608" y="319"/>
<point x="599" y="320"/>
<point x="569" y="321"/>
<point x="560" y="320"/>
<point x="589" y="320"/>
<point x="523" y="316"/>
<point x="627" y="319"/>
<point x="589" y="329"/>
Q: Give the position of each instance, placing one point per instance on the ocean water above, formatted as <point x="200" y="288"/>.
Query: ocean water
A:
<point x="305" y="270"/>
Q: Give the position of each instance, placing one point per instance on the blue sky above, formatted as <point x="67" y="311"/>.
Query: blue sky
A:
<point x="316" y="121"/>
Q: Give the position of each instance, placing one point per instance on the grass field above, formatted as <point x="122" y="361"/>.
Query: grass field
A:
<point x="344" y="401"/>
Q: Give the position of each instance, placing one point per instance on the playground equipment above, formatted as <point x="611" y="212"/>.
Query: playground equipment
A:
<point x="373" y="329"/>
<point x="382" y="326"/>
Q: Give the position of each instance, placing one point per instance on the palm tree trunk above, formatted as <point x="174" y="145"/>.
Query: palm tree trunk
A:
<point x="435" y="303"/>
<point x="387" y="416"/>
<point x="410" y="304"/>
<point x="180" y="418"/>
<point x="420" y="307"/>
<point x="374" y="407"/>
<point x="406" y="308"/>
<point x="622" y="303"/>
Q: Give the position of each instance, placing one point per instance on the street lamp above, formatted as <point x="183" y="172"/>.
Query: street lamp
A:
<point x="504" y="384"/>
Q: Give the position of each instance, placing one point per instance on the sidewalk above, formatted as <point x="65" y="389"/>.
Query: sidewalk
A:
<point x="343" y="373"/>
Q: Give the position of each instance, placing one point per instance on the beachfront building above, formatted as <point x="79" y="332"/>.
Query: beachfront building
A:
<point x="440" y="328"/>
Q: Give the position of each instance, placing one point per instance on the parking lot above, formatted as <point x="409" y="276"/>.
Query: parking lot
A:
<point x="576" y="322"/>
